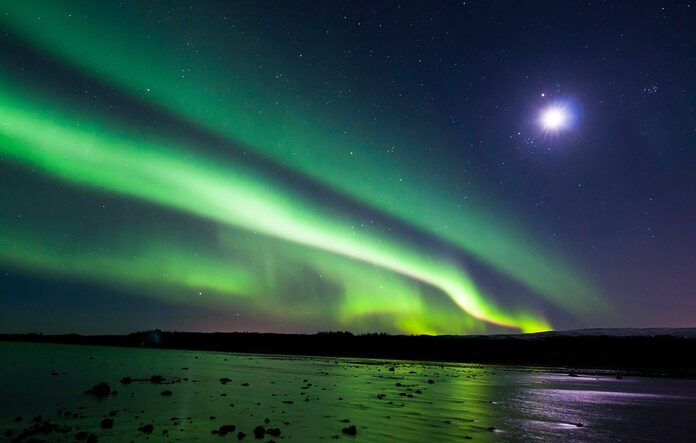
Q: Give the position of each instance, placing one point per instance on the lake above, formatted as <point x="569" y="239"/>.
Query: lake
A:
<point x="308" y="399"/>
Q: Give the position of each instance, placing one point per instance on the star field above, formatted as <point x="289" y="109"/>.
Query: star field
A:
<point x="401" y="167"/>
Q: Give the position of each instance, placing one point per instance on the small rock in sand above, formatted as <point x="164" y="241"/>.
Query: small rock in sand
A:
<point x="100" y="390"/>
<point x="350" y="430"/>
<point x="275" y="432"/>
<point x="259" y="432"/>
<point x="148" y="428"/>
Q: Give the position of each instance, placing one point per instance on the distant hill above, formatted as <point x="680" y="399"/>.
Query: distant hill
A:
<point x="608" y="332"/>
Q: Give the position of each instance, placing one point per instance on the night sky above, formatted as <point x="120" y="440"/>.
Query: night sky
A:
<point x="470" y="167"/>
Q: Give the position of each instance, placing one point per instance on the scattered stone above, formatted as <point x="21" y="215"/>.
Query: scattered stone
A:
<point x="267" y="420"/>
<point x="157" y="379"/>
<point x="391" y="369"/>
<point x="113" y="413"/>
<point x="245" y="384"/>
<point x="100" y="390"/>
<point x="224" y="430"/>
<point x="573" y="374"/>
<point x="431" y="381"/>
<point x="381" y="396"/>
<point x="240" y="435"/>
<point x="345" y="420"/>
<point x="148" y="428"/>
<point x="275" y="432"/>
<point x="579" y="425"/>
<point x="619" y="377"/>
<point x="8" y="433"/>
<point x="17" y="419"/>
<point x="350" y="430"/>
<point x="225" y="380"/>
<point x="91" y="438"/>
<point x="166" y="393"/>
<point x="491" y="429"/>
<point x="259" y="432"/>
<point x="107" y="423"/>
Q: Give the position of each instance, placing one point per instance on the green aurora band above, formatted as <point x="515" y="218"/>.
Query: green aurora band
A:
<point x="261" y="228"/>
<point x="93" y="156"/>
<point x="242" y="99"/>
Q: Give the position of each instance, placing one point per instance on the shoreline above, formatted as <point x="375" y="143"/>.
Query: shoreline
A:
<point x="654" y="355"/>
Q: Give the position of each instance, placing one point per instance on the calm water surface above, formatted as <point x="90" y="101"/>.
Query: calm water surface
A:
<point x="313" y="399"/>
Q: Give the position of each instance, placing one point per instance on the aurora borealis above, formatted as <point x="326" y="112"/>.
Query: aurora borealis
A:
<point x="259" y="167"/>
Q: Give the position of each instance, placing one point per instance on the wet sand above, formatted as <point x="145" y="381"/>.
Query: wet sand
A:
<point x="66" y="393"/>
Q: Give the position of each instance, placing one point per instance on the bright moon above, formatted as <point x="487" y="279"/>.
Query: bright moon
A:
<point x="553" y="119"/>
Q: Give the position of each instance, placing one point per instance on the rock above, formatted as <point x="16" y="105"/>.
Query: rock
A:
<point x="148" y="428"/>
<point x="579" y="425"/>
<point x="166" y="393"/>
<point x="157" y="379"/>
<point x="259" y="432"/>
<point x="107" y="423"/>
<point x="240" y="435"/>
<point x="224" y="430"/>
<point x="100" y="390"/>
<point x="225" y="380"/>
<point x="275" y="432"/>
<point x="350" y="430"/>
